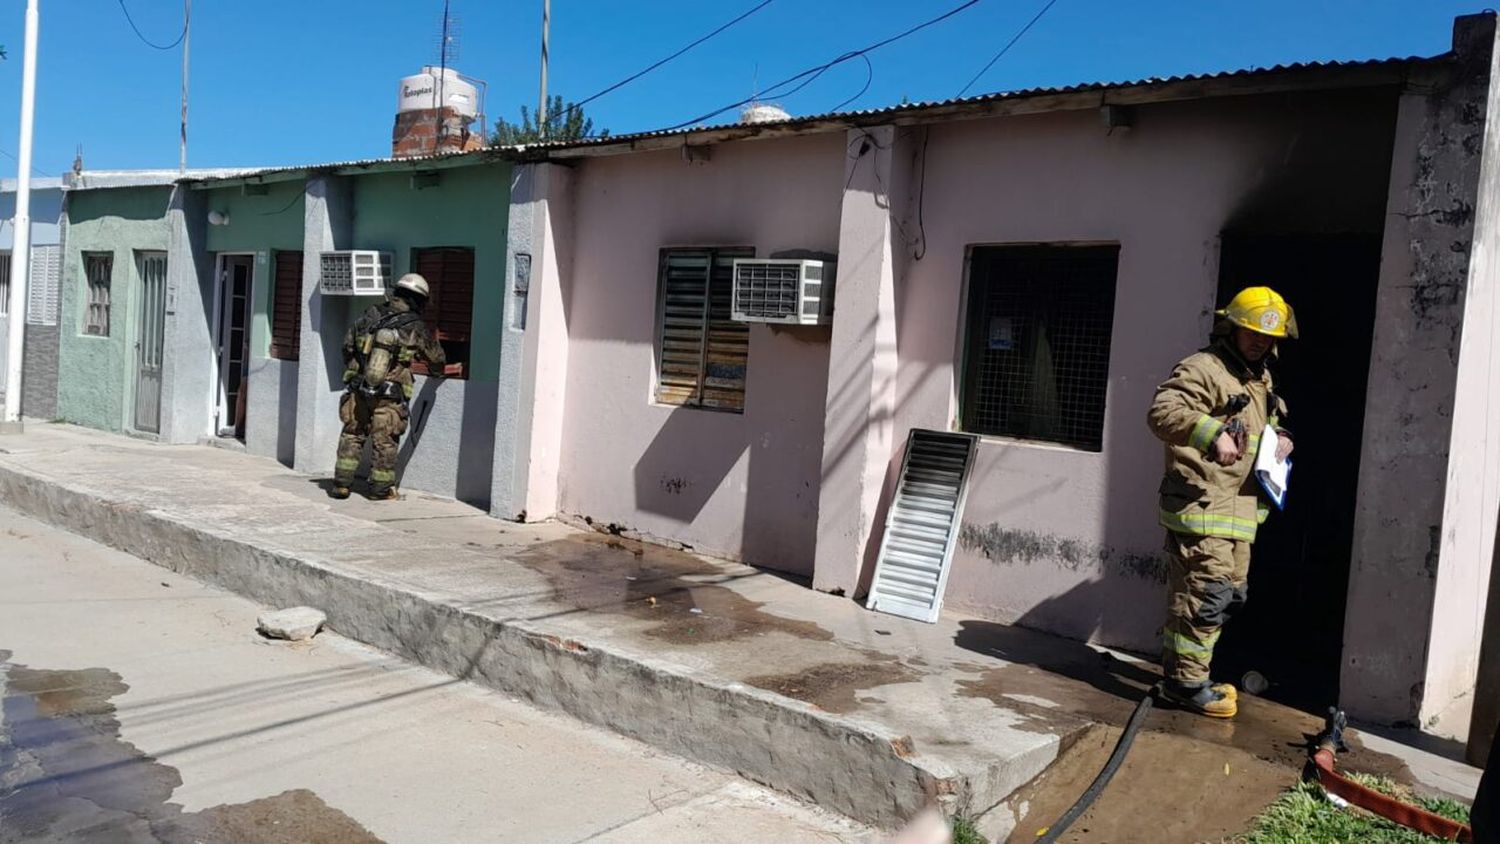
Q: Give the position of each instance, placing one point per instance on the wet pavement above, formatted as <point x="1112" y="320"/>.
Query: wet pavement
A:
<point x="974" y="701"/>
<point x="66" y="775"/>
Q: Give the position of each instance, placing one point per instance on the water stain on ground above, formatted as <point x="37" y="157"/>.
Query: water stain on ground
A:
<point x="1171" y="788"/>
<point x="1063" y="688"/>
<point x="66" y="775"/>
<point x="832" y="686"/>
<point x="678" y="592"/>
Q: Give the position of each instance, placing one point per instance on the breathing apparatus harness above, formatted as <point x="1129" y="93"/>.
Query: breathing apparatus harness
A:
<point x="375" y="351"/>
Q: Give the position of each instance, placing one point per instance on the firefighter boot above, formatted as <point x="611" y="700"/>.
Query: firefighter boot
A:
<point x="338" y="491"/>
<point x="1227" y="690"/>
<point x="387" y="494"/>
<point x="1204" y="700"/>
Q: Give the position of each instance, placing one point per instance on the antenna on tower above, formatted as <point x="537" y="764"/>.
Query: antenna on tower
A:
<point x="450" y="28"/>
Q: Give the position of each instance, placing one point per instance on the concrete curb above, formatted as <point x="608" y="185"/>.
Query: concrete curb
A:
<point x="837" y="762"/>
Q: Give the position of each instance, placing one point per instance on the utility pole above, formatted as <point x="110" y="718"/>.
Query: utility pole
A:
<point x="21" y="251"/>
<point x="541" y="107"/>
<point x="187" y="44"/>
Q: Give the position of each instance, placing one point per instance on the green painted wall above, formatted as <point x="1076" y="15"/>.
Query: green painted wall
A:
<point x="96" y="374"/>
<point x="261" y="224"/>
<point x="467" y="208"/>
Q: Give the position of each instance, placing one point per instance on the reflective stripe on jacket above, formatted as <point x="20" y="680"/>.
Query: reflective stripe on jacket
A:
<point x="1198" y="496"/>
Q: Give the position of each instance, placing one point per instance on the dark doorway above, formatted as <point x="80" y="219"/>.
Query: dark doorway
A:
<point x="235" y="276"/>
<point x="1292" y="629"/>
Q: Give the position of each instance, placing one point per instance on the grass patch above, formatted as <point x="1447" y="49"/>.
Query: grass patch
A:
<point x="1304" y="815"/>
<point x="965" y="833"/>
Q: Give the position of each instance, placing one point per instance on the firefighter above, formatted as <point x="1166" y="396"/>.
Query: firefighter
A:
<point x="378" y="353"/>
<point x="1210" y="414"/>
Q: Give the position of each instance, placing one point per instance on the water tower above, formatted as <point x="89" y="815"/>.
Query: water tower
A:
<point x="436" y="108"/>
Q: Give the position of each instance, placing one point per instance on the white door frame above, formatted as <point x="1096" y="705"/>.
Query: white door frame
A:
<point x="217" y="396"/>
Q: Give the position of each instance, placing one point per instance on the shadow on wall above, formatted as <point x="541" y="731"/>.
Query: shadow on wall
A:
<point x="682" y="468"/>
<point x="475" y="449"/>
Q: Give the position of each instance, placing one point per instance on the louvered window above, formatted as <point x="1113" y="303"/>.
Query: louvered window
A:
<point x="449" y="271"/>
<point x="702" y="352"/>
<point x="98" y="268"/>
<point x="4" y="283"/>
<point x="44" y="285"/>
<point x="286" y="306"/>
<point x="1036" y="361"/>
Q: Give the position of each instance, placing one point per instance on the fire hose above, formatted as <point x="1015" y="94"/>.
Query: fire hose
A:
<point x="1320" y="769"/>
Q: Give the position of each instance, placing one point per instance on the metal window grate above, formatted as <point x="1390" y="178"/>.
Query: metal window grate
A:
<point x="702" y="352"/>
<point x="769" y="290"/>
<point x="1036" y="362"/>
<point x="99" y="269"/>
<point x="286" y="306"/>
<point x="4" y="283"/>
<point x="449" y="271"/>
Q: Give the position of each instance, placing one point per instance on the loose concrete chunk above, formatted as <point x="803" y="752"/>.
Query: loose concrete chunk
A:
<point x="296" y="624"/>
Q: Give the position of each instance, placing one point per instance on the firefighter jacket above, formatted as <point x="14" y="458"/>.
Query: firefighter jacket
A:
<point x="1205" y="393"/>
<point x="415" y="340"/>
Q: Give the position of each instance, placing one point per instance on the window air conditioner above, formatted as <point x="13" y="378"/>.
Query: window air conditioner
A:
<point x="354" y="272"/>
<point x="783" y="291"/>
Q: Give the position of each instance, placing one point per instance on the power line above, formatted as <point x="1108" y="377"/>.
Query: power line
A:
<point x="869" y="78"/>
<point x="148" y="42"/>
<point x="811" y="74"/>
<point x="1006" y="48"/>
<point x="637" y="75"/>
<point x="7" y="154"/>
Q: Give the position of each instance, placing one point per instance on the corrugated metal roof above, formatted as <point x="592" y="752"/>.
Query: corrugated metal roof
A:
<point x="1311" y="69"/>
<point x="863" y="115"/>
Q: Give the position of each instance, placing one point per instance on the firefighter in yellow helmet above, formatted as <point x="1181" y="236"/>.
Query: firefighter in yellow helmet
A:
<point x="379" y="350"/>
<point x="1210" y="414"/>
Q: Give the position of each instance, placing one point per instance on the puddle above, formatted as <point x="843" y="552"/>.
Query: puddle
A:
<point x="65" y="774"/>
<point x="1171" y="789"/>
<point x="622" y="576"/>
<point x="832" y="686"/>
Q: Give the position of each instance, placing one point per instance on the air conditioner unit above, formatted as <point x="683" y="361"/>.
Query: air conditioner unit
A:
<point x="354" y="272"/>
<point x="784" y="291"/>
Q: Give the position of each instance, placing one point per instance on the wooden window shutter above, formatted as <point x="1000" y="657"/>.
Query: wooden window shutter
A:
<point x="449" y="271"/>
<point x="702" y="351"/>
<point x="286" y="306"/>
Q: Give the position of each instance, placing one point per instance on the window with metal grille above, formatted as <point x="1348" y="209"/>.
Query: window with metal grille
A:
<point x="449" y="271"/>
<point x="701" y="352"/>
<point x="98" y="270"/>
<point x="286" y="306"/>
<point x="4" y="283"/>
<point x="1036" y="348"/>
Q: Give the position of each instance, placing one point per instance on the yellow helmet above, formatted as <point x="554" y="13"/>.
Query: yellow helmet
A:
<point x="1262" y="310"/>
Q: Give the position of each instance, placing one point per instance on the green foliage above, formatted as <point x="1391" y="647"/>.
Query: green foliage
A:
<point x="965" y="833"/>
<point x="1304" y="815"/>
<point x="565" y="122"/>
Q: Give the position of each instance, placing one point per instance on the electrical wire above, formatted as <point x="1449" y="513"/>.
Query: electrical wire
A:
<point x="7" y="153"/>
<point x="869" y="78"/>
<point x="638" y="74"/>
<point x="811" y="74"/>
<point x="148" y="42"/>
<point x="1006" y="48"/>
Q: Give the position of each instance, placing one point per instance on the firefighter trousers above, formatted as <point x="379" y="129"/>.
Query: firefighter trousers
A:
<point x="1207" y="583"/>
<point x="379" y="420"/>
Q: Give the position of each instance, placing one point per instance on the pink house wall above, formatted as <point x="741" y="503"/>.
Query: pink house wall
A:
<point x="1057" y="538"/>
<point x="742" y="486"/>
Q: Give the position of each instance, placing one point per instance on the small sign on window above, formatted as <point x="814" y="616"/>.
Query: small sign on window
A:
<point x="1002" y="335"/>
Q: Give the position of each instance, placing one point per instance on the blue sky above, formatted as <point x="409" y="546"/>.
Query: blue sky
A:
<point x="283" y="82"/>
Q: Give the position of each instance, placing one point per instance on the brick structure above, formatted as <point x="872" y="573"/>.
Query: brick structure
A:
<point x="429" y="131"/>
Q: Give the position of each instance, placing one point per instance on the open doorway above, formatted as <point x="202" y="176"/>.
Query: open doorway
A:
<point x="236" y="273"/>
<point x="1291" y="630"/>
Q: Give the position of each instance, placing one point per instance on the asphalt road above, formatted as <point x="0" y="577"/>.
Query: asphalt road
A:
<point x="142" y="706"/>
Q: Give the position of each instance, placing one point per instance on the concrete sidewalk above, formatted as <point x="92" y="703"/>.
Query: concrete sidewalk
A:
<point x="869" y="715"/>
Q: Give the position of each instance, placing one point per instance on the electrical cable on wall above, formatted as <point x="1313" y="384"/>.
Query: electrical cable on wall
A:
<point x="148" y="42"/>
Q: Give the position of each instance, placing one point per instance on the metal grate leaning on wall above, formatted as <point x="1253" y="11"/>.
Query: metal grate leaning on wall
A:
<point x="44" y="285"/>
<point x="1036" y="355"/>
